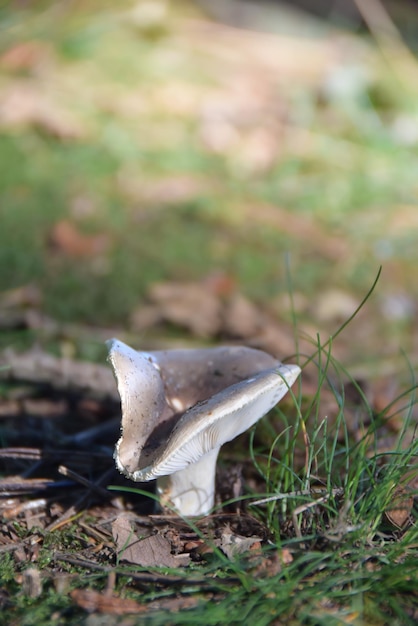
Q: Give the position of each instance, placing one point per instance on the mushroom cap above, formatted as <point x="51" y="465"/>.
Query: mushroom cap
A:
<point x="211" y="423"/>
<point x="143" y="402"/>
<point x="179" y="405"/>
<point x="193" y="375"/>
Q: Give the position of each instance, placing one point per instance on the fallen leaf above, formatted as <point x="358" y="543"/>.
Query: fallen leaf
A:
<point x="274" y="339"/>
<point x="174" y="605"/>
<point x="21" y="297"/>
<point x="241" y="318"/>
<point x="153" y="551"/>
<point x="272" y="564"/>
<point x="220" y="283"/>
<point x="24" y="105"/>
<point x="285" y="556"/>
<point x="292" y="59"/>
<point x="178" y="97"/>
<point x="284" y="303"/>
<point x="67" y="239"/>
<point x="301" y="227"/>
<point x="94" y="601"/>
<point x="404" y="219"/>
<point x="334" y="305"/>
<point x="24" y="55"/>
<point x="386" y="392"/>
<point x="172" y="190"/>
<point x="233" y="545"/>
<point x="259" y="149"/>
<point x="398" y="514"/>
<point x="203" y="552"/>
<point x="210" y="308"/>
<point x="189" y="305"/>
<point x="146" y="316"/>
<point x="32" y="582"/>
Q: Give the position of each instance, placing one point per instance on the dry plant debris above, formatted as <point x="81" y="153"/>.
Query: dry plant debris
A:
<point x="54" y="501"/>
<point x="152" y="551"/>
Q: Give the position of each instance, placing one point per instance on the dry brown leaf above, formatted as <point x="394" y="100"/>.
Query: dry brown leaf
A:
<point x="259" y="149"/>
<point x="283" y="303"/>
<point x="398" y="514"/>
<point x="32" y="582"/>
<point x="334" y="305"/>
<point x="384" y="392"/>
<point x="300" y="226"/>
<point x="214" y="307"/>
<point x="242" y="120"/>
<point x="174" y="605"/>
<point x="241" y="318"/>
<point x="177" y="189"/>
<point x="146" y="316"/>
<point x="175" y="303"/>
<point x="189" y="305"/>
<point x="274" y="339"/>
<point x="21" y="297"/>
<point x="153" y="551"/>
<point x="233" y="545"/>
<point x="23" y="104"/>
<point x="24" y="55"/>
<point x="220" y="283"/>
<point x="404" y="219"/>
<point x="292" y="59"/>
<point x="285" y="556"/>
<point x="68" y="240"/>
<point x="272" y="564"/>
<point x="94" y="601"/>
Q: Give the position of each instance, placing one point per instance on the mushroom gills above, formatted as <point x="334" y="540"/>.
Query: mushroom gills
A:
<point x="210" y="424"/>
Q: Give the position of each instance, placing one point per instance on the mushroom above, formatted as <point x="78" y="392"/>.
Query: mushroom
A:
<point x="180" y="406"/>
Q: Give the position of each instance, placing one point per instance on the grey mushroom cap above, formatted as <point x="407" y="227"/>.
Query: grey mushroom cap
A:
<point x="213" y="422"/>
<point x="181" y="406"/>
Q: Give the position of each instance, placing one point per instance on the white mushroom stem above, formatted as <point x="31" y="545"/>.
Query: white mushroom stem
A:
<point x="192" y="490"/>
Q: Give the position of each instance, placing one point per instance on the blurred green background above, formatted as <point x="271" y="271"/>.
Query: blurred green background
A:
<point x="144" y="141"/>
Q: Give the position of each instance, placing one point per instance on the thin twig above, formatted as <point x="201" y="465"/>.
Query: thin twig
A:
<point x="74" y="511"/>
<point x="16" y="485"/>
<point x="141" y="576"/>
<point x="37" y="454"/>
<point x="65" y="471"/>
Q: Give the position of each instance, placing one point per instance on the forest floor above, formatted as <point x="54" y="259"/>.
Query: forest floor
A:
<point x="177" y="182"/>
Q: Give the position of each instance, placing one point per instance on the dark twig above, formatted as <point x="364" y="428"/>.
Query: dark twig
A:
<point x="65" y="471"/>
<point x="145" y="577"/>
